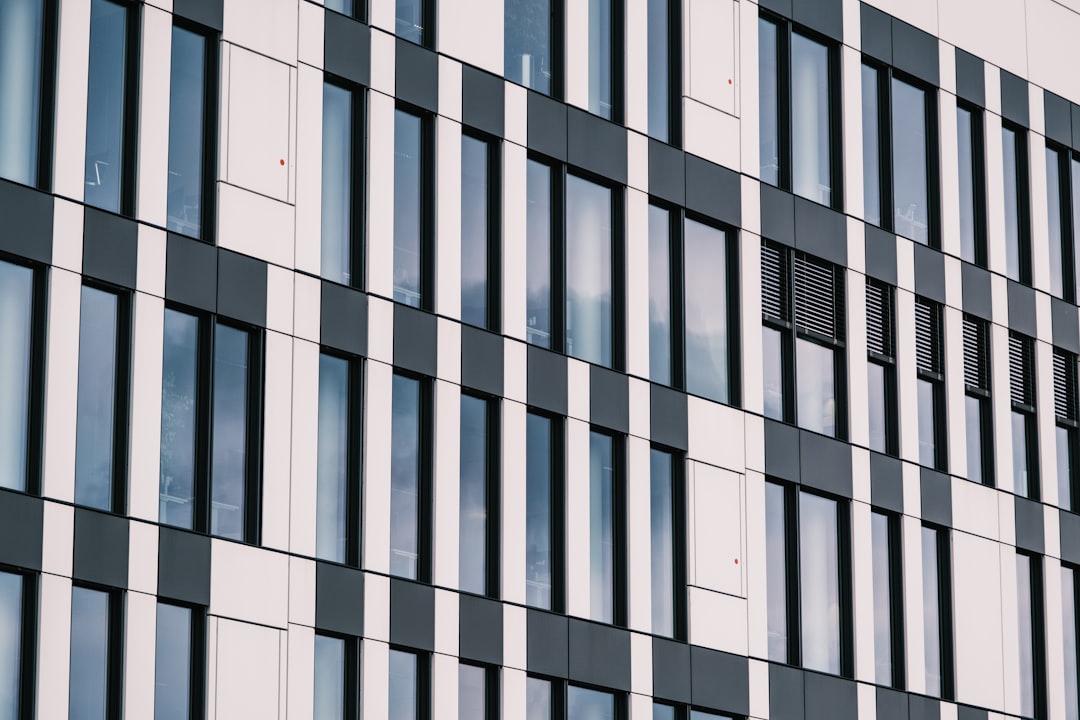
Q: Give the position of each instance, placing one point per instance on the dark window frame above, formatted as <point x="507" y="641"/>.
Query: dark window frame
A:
<point x="115" y="651"/>
<point x="351" y="683"/>
<point x="897" y="625"/>
<point x="680" y="540"/>
<point x="936" y="378"/>
<point x="424" y="674"/>
<point x="887" y="361"/>
<point x="1067" y="222"/>
<point x="557" y="498"/>
<point x="1029" y="411"/>
<point x="1039" y="663"/>
<point x="198" y="649"/>
<point x="674" y="79"/>
<point x="1075" y="620"/>
<point x="978" y="187"/>
<point x="425" y="530"/>
<point x="619" y="530"/>
<point x="358" y="199"/>
<point x="492" y="492"/>
<point x="354" y="477"/>
<point x="982" y="395"/>
<point x="492" y="711"/>
<point x="1065" y="399"/>
<point x="556" y="30"/>
<point x="494" y="320"/>
<point x="428" y="209"/>
<point x="946" y="626"/>
<point x="28" y="651"/>
<point x="360" y="11"/>
<point x="1023" y="200"/>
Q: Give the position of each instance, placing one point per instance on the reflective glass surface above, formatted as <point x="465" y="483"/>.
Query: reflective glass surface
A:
<point x="228" y="460"/>
<point x="1069" y="641"/>
<point x="21" y="32"/>
<point x="332" y="492"/>
<point x="329" y="678"/>
<point x="819" y="583"/>
<point x="538" y="254"/>
<point x="931" y="611"/>
<point x="659" y="69"/>
<point x="883" y="616"/>
<point x="662" y="527"/>
<point x="776" y="571"/>
<point x="186" y="130"/>
<point x="11" y="644"/>
<point x="405" y="477"/>
<point x="527" y="44"/>
<point x="94" y="442"/>
<point x="410" y="21"/>
<point x="601" y="85"/>
<point x="877" y="398"/>
<point x="588" y="271"/>
<point x="537" y="699"/>
<point x="973" y="412"/>
<point x="871" y="133"/>
<point x="105" y="105"/>
<point x="178" y="423"/>
<point x="659" y="295"/>
<point x="408" y="207"/>
<point x="538" y="479"/>
<point x="965" y="135"/>
<point x="706" y="311"/>
<point x="816" y="381"/>
<point x="1026" y="631"/>
<point x="811" y="151"/>
<point x="769" y="132"/>
<point x="1010" y="154"/>
<point x="472" y="692"/>
<point x="172" y="663"/>
<point x="1054" y="227"/>
<point x="337" y="179"/>
<point x="474" y="231"/>
<point x="1021" y="475"/>
<point x="585" y="704"/>
<point x="403" y="686"/>
<point x="1074" y="182"/>
<point x="472" y="524"/>
<point x="16" y="310"/>
<point x="1066" y="443"/>
<point x="663" y="712"/>
<point x="911" y="182"/>
<point x="927" y="423"/>
<point x="601" y="528"/>
<point x="342" y="6"/>
<point x="773" y="372"/>
<point x="88" y="688"/>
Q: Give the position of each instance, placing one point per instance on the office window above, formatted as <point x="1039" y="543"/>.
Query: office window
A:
<point x="819" y="583"/>
<point x="977" y="406"/>
<point x="336" y="678"/>
<point x="881" y="366"/>
<point x="342" y="179"/>
<point x="888" y="600"/>
<point x="590" y="277"/>
<point x="1065" y="415"/>
<point x="605" y="53"/>
<point x="531" y="35"/>
<point x="345" y="7"/>
<point x="1029" y="607"/>
<point x="479" y="493"/>
<point x="969" y="133"/>
<point x="413" y="209"/>
<point x="591" y="704"/>
<point x="178" y="665"/>
<point x="24" y="27"/>
<point x="539" y="193"/>
<point x="662" y="321"/>
<point x="1060" y="222"/>
<point x="606" y="531"/>
<point x="210" y="429"/>
<point x="192" y="126"/>
<point x="937" y="611"/>
<point x="664" y="53"/>
<point x="873" y="149"/>
<point x="665" y="496"/>
<point x="94" y="686"/>
<point x="337" y="506"/>
<point x="1017" y="231"/>
<point x="480" y="201"/>
<point x="20" y="375"/>
<point x="661" y="711"/>
<point x="543" y="503"/>
<point x="776" y="564"/>
<point x="539" y="702"/>
<point x="415" y="21"/>
<point x="409" y="696"/>
<point x="1025" y="446"/>
<point x="1070" y="625"/>
<point x="409" y="478"/>
<point x="478" y="697"/>
<point x="930" y="383"/>
<point x="110" y="110"/>
<point x="17" y="610"/>
<point x="798" y="105"/>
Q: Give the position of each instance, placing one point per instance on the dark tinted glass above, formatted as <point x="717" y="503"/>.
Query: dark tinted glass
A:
<point x="911" y="183"/>
<point x="1025" y="626"/>
<point x="341" y="6"/>
<point x="1069" y="641"/>
<point x="403" y="686"/>
<point x="329" y="678"/>
<point x="589" y="704"/>
<point x="473" y="550"/>
<point x="601" y="528"/>
<point x="229" y="459"/>
<point x="931" y="611"/>
<point x="706" y="309"/>
<point x="187" y="146"/>
<point x="662" y="526"/>
<point x="98" y="355"/>
<point x="405" y="477"/>
<point x="1066" y="447"/>
<point x="769" y="132"/>
<point x="659" y="54"/>
<point x="410" y="20"/>
<point x="601" y="59"/>
<point x="527" y="44"/>
<point x="172" y="664"/>
<point x="589" y="235"/>
<point x="105" y="105"/>
<point x="819" y="583"/>
<point x="1010" y="171"/>
<point x="883" y="590"/>
<point x="538" y="254"/>
<point x="663" y="712"/>
<point x="475" y="231"/>
<point x="878" y="405"/>
<point x="1054" y="225"/>
<point x="538" y="487"/>
<point x="337" y="178"/>
<point x="472" y="692"/>
<point x="966" y="133"/>
<point x="178" y="423"/>
<point x="811" y="150"/>
<point x="776" y="571"/>
<point x="16" y="311"/>
<point x="332" y="490"/>
<point x="88" y="697"/>
<point x="871" y="133"/>
<point x="537" y="699"/>
<point x="11" y="644"/>
<point x="21" y="35"/>
<point x="660" y="322"/>
<point x="408" y="207"/>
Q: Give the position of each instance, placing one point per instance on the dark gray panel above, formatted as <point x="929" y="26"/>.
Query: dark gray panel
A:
<point x="547" y="644"/>
<point x="780" y="7"/>
<point x="101" y="548"/>
<point x="668" y="418"/>
<point x="482" y="103"/>
<point x="713" y="190"/>
<point x="343" y="318"/>
<point x="20" y="530"/>
<point x="886" y="482"/>
<point x="191" y="272"/>
<point x="826" y="463"/>
<point x="891" y="704"/>
<point x="242" y="288"/>
<point x="915" y="52"/>
<point x="347" y="48"/>
<point x="184" y="566"/>
<point x="963" y="712"/>
<point x="547" y="380"/>
<point x="596" y="145"/>
<point x="547" y="126"/>
<point x="975" y="285"/>
<point x="339" y="598"/>
<point x="820" y="231"/>
<point x="880" y="248"/>
<point x="825" y="16"/>
<point x="480" y="623"/>
<point x="936" y="490"/>
<point x="110" y="247"/>
<point x="785" y="691"/>
<point x="828" y="698"/>
<point x="781" y="450"/>
<point x="1029" y="525"/>
<point x="777" y="215"/>
<point x="412" y="614"/>
<point x="667" y="172"/>
<point x="970" y="78"/>
<point x="1070" y="536"/>
<point x="1063" y="317"/>
<point x="599" y="654"/>
<point x="28" y="222"/>
<point x="923" y="708"/>
<point x="877" y="38"/>
<point x="205" y="12"/>
<point x="1014" y="98"/>
<point x="481" y="360"/>
<point x="415" y="342"/>
<point x="417" y="75"/>
<point x="1058" y="118"/>
<point x="671" y="670"/>
<point x="610" y="399"/>
<point x="720" y="681"/>
<point x="1022" y="309"/>
<point x="929" y="273"/>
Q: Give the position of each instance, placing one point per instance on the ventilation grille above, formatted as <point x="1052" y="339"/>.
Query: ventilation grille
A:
<point x="1065" y="385"/>
<point x="1020" y="364"/>
<point x="976" y="355"/>
<point x="817" y="290"/>
<point x="928" y="336"/>
<point x="775" y="281"/>
<point x="879" y="319"/>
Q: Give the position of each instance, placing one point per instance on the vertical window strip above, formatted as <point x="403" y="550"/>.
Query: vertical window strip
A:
<point x="880" y="337"/>
<point x="818" y="292"/>
<point x="775" y="282"/>
<point x="1065" y="385"/>
<point x="1021" y="361"/>
<point x="928" y="355"/>
<point x="976" y="354"/>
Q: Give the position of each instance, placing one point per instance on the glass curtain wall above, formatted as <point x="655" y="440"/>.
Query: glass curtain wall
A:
<point x="96" y="425"/>
<point x="16" y="354"/>
<point x="106" y="107"/>
<point x="22" y="28"/>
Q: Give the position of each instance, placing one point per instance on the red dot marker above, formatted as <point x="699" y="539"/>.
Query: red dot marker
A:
<point x="282" y="163"/>
<point x="736" y="561"/>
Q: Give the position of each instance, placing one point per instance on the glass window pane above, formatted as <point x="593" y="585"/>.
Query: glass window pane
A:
<point x="527" y="47"/>
<point x="172" y="664"/>
<point x="585" y="704"/>
<point x="931" y="611"/>
<point x="706" y="311"/>
<point x="819" y="583"/>
<point x="1074" y="181"/>
<point x="342" y="6"/>
<point x="1024" y="609"/>
<point x="1010" y="153"/>
<point x="883" y="589"/>
<point x="332" y="490"/>
<point x="769" y="137"/>
<point x="405" y="477"/>
<point x="16" y="311"/>
<point x="776" y="571"/>
<point x="472" y="692"/>
<point x="878" y="403"/>
<point x="663" y="712"/>
<point x="408" y="207"/>
<point x="474" y="231"/>
<point x="773" y="372"/>
<point x="538" y="254"/>
<point x="601" y="98"/>
<point x="927" y="423"/>
<point x="911" y="188"/>
<point x="1020" y="453"/>
<point x="329" y="678"/>
<point x="966" y="134"/>
<point x="1055" y="230"/>
<point x="811" y="151"/>
<point x="662" y="508"/>
<point x="178" y="425"/>
<point x="21" y="33"/>
<point x="601" y="528"/>
<point x="703" y="715"/>
<point x="403" y="686"/>
<point x="659" y="295"/>
<point x="538" y="480"/>
<point x="1066" y="443"/>
<point x="472" y="549"/>
<point x="871" y="133"/>
<point x="538" y="699"/>
<point x="659" y="69"/>
<point x="410" y="20"/>
<point x="1069" y="641"/>
<point x="588" y="271"/>
<point x="105" y="105"/>
<point x="973" y="410"/>
<point x="817" y="387"/>
<point x="89" y="681"/>
<point x="186" y="129"/>
<point x="11" y="642"/>
<point x="228" y="462"/>
<point x="94" y="442"/>
<point x="337" y="178"/>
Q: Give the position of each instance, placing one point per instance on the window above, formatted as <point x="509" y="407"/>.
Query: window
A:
<point x="969" y="133"/>
<point x="533" y="55"/>
<point x="480" y="201"/>
<point x="799" y="141"/>
<point x="1017" y="231"/>
<point x="538" y="698"/>
<point x="930" y="383"/>
<point x="1060" y="222"/>
<point x="543" y="512"/>
<point x="666" y="523"/>
<point x="21" y="374"/>
<point x="605" y="51"/>
<point x="352" y="8"/>
<point x="881" y="366"/>
<point x="1025" y="447"/>
<point x="17" y="611"/>
<point x="96" y="655"/>
<point x="803" y="338"/>
<point x="337" y="506"/>
<point x="25" y="30"/>
<point x="662" y="319"/>
<point x="899" y="155"/>
<point x="211" y="392"/>
<point x="549" y="699"/>
<point x="413" y="209"/>
<point x="541" y="193"/>
<point x="977" y="406"/>
<point x="479" y="488"/>
<point x="101" y="428"/>
<point x="415" y="21"/>
<point x="937" y="611"/>
<point x="192" y="126"/>
<point x="1065" y="414"/>
<point x="588" y="703"/>
<point x="477" y="692"/>
<point x="607" y="577"/>
<point x="661" y="711"/>
<point x="336" y="678"/>
<point x="1029" y="607"/>
<point x="665" y="72"/>
<point x="410" y="443"/>
<point x="590" y="240"/>
<point x="888" y="600"/>
<point x="342" y="183"/>
<point x="178" y="671"/>
<point x="409" y="695"/>
<point x="1070" y="626"/>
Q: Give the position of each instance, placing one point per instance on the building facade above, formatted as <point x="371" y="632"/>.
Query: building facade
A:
<point x="584" y="360"/>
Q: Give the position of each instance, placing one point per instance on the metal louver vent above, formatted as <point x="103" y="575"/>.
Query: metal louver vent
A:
<point x="879" y="319"/>
<point x="976" y="354"/>
<point x="816" y="296"/>
<point x="775" y="282"/>
<point x="1065" y="385"/>
<point x="1020" y="366"/>
<point x="928" y="336"/>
